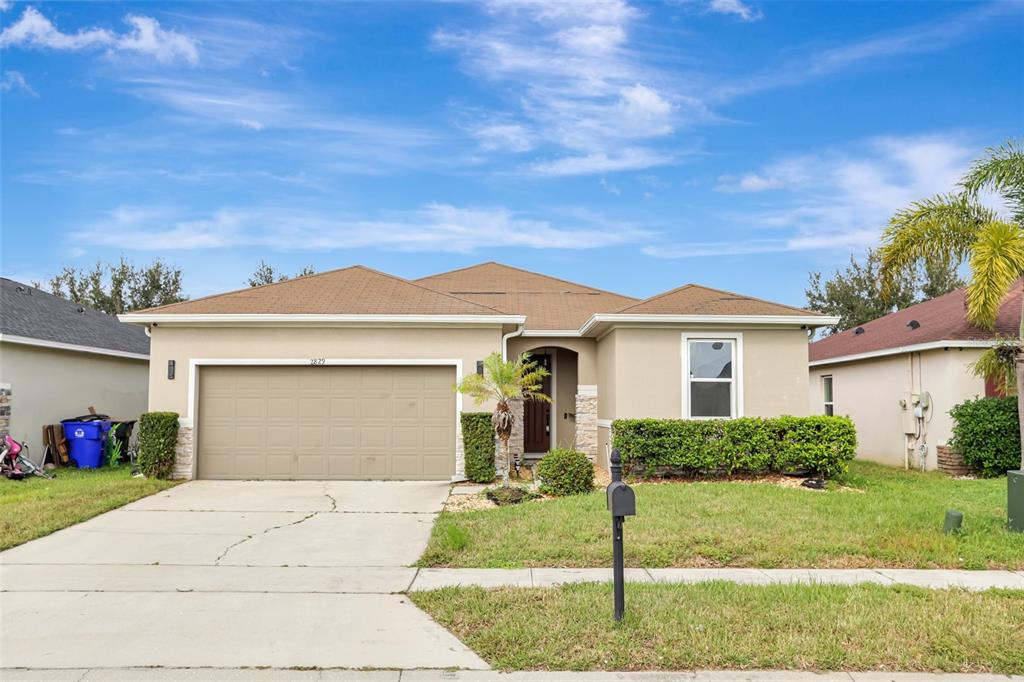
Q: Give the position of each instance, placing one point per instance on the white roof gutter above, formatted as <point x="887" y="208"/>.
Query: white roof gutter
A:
<point x="801" y="320"/>
<point x="258" y="318"/>
<point x="57" y="345"/>
<point x="899" y="350"/>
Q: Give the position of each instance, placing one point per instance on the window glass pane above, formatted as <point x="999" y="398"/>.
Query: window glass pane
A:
<point x="710" y="398"/>
<point x="827" y="384"/>
<point x="829" y="409"/>
<point x="711" y="359"/>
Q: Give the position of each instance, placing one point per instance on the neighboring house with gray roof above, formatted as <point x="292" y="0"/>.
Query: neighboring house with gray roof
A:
<point x="58" y="358"/>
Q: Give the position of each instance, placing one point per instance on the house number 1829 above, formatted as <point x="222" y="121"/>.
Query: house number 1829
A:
<point x="316" y="362"/>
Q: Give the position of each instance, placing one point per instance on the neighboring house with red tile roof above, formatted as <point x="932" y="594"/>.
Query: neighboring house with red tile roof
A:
<point x="349" y="373"/>
<point x="899" y="376"/>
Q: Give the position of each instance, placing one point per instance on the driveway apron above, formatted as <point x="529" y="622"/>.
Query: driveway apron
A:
<point x="283" y="574"/>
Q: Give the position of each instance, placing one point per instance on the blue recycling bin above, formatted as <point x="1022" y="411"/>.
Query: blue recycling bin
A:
<point x="85" y="440"/>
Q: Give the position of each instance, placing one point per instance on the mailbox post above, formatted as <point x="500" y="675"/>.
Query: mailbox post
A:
<point x="621" y="503"/>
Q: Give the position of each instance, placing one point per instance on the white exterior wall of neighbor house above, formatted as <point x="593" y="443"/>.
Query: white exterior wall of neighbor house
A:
<point x="48" y="385"/>
<point x="869" y="391"/>
<point x="376" y="344"/>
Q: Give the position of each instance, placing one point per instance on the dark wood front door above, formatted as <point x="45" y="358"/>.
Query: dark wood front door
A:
<point x="537" y="415"/>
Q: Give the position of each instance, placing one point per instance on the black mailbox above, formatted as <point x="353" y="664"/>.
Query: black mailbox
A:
<point x="621" y="499"/>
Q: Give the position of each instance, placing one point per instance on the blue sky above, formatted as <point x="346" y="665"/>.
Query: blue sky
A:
<point x="634" y="147"/>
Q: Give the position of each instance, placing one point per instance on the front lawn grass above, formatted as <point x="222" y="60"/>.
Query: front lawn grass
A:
<point x="874" y="516"/>
<point x="34" y="507"/>
<point x="725" y="625"/>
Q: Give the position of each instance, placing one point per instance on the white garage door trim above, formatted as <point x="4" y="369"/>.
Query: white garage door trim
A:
<point x="191" y="420"/>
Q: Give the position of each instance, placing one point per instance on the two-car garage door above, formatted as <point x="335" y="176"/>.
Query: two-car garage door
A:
<point x="327" y="422"/>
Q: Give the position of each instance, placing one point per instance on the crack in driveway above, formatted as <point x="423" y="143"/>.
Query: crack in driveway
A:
<point x="334" y="508"/>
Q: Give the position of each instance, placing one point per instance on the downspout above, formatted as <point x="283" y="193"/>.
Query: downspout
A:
<point x="504" y="340"/>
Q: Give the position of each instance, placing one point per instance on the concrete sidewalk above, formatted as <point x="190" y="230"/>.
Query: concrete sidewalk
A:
<point x="433" y="578"/>
<point x="340" y="675"/>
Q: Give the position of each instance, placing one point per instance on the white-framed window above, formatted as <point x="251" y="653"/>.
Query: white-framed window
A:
<point x="826" y="394"/>
<point x="712" y="376"/>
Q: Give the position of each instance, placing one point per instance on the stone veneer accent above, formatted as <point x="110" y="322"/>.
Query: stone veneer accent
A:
<point x="183" y="454"/>
<point x="460" y="453"/>
<point x="586" y="420"/>
<point x="516" y="445"/>
<point x="5" y="409"/>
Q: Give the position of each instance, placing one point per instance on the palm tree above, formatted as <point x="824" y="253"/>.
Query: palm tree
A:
<point x="502" y="382"/>
<point x="954" y="228"/>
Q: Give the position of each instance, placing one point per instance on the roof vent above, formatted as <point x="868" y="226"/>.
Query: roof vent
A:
<point x="22" y="290"/>
<point x="913" y="324"/>
<point x="81" y="309"/>
<point x="858" y="331"/>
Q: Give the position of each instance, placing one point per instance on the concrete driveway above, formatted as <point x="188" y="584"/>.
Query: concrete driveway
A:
<point x="232" y="574"/>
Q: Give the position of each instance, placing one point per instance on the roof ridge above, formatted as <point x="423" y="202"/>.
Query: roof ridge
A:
<point x="655" y="297"/>
<point x="334" y="271"/>
<point x="249" y="288"/>
<point x="433" y="291"/>
<point x="720" y="291"/>
<point x="529" y="272"/>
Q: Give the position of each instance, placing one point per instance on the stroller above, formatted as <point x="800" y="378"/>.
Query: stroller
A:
<point x="14" y="463"/>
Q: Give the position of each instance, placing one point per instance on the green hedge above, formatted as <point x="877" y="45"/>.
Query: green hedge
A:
<point x="478" y="444"/>
<point x="565" y="472"/>
<point x="158" y="437"/>
<point x="986" y="433"/>
<point x="822" y="445"/>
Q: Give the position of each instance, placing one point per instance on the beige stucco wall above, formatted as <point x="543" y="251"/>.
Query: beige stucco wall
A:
<point x="48" y="385"/>
<point x="641" y="371"/>
<point x="868" y="391"/>
<point x="183" y="344"/>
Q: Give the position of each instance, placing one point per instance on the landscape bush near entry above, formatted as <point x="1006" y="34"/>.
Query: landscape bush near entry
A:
<point x="478" y="444"/>
<point x="565" y="472"/>
<point x="820" y="445"/>
<point x="158" y="437"/>
<point x="986" y="433"/>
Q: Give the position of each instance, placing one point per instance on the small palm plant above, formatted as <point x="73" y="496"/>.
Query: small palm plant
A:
<point x="504" y="381"/>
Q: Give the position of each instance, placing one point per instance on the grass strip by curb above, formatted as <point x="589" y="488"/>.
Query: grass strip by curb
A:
<point x="727" y="626"/>
<point x="34" y="507"/>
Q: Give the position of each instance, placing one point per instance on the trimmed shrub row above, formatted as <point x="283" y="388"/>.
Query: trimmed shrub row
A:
<point x="478" y="444"/>
<point x="986" y="433"/>
<point x="821" y="445"/>
<point x="158" y="438"/>
<point x="565" y="472"/>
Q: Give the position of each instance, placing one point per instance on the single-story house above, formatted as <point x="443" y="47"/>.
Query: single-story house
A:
<point x="58" y="358"/>
<point x="898" y="376"/>
<point x="349" y="374"/>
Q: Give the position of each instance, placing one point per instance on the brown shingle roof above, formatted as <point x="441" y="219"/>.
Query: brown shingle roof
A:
<point x="940" y="319"/>
<point x="355" y="290"/>
<point x="547" y="302"/>
<point x="693" y="299"/>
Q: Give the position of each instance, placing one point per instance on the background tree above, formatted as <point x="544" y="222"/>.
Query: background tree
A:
<point x="502" y="382"/>
<point x="855" y="293"/>
<point x="958" y="227"/>
<point x="120" y="287"/>
<point x="267" y="274"/>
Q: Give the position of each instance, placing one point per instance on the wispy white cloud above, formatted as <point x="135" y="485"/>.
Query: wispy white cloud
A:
<point x="5" y="5"/>
<point x="922" y="38"/>
<point x="16" y="80"/>
<point x="837" y="199"/>
<point x="735" y="7"/>
<point x="584" y="96"/>
<point x="434" y="227"/>
<point x="145" y="36"/>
